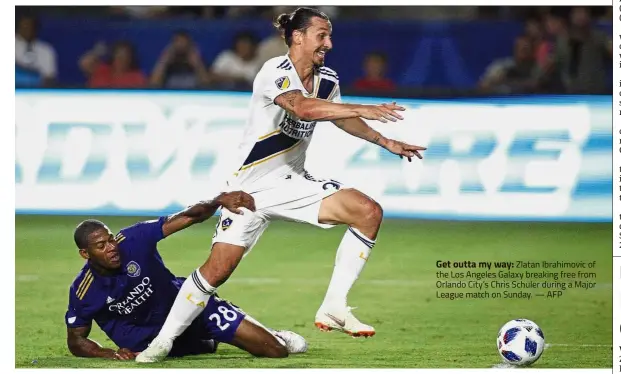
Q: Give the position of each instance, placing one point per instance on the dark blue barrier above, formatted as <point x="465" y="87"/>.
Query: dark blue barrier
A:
<point x="430" y="54"/>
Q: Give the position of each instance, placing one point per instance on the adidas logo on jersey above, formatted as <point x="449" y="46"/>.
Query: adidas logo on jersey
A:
<point x="109" y="300"/>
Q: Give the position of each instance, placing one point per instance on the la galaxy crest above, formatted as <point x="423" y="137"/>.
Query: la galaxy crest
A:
<point x="226" y="223"/>
<point x="133" y="269"/>
<point x="282" y="83"/>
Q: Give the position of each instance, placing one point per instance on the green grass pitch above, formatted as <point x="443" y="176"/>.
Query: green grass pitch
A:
<point x="282" y="282"/>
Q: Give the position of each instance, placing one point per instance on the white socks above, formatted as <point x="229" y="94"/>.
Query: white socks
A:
<point x="351" y="257"/>
<point x="190" y="302"/>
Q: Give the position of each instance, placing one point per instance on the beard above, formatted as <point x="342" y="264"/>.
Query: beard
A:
<point x="319" y="62"/>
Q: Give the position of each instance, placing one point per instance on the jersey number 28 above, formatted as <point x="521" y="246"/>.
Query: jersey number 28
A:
<point x="227" y="314"/>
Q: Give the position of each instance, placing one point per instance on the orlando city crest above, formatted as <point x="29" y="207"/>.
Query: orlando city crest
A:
<point x="133" y="269"/>
<point x="282" y="83"/>
<point x="226" y="224"/>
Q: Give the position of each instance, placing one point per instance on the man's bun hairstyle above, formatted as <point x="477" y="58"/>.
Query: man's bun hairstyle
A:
<point x="299" y="19"/>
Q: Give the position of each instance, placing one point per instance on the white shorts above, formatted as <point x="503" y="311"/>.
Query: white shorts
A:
<point x="294" y="198"/>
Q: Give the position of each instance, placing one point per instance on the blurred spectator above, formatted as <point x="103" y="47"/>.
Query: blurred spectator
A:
<point x="270" y="47"/>
<point x="243" y="11"/>
<point x="140" y="12"/>
<point x="274" y="45"/>
<point x="330" y="10"/>
<point x="35" y="60"/>
<point x="180" y="66"/>
<point x="533" y="29"/>
<point x="555" y="28"/>
<point x="120" y="71"/>
<point x="517" y="74"/>
<point x="374" y="74"/>
<point x="607" y="15"/>
<point x="453" y="12"/>
<point x="211" y="12"/>
<point x="583" y="55"/>
<point x="238" y="67"/>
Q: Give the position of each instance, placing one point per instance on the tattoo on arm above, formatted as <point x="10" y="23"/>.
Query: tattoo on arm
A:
<point x="290" y="97"/>
<point x="287" y="100"/>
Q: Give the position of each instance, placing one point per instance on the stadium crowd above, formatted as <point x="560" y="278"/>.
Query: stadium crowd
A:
<point x="560" y="49"/>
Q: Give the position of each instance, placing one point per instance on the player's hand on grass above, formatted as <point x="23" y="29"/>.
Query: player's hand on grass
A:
<point x="124" y="354"/>
<point x="235" y="200"/>
<point x="403" y="149"/>
<point x="383" y="112"/>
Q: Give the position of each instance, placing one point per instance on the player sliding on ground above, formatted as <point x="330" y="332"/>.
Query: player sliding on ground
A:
<point x="290" y="95"/>
<point x="128" y="291"/>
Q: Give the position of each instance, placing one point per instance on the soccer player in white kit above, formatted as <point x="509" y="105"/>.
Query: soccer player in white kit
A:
<point x="290" y="95"/>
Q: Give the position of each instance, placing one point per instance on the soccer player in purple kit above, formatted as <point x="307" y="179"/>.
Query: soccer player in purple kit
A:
<point x="127" y="290"/>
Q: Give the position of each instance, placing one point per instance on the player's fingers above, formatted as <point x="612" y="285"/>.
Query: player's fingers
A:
<point x="387" y="116"/>
<point x="408" y="153"/>
<point x="234" y="210"/>
<point x="394" y="106"/>
<point x="417" y="154"/>
<point x="410" y="147"/>
<point x="392" y="113"/>
<point x="249" y="204"/>
<point x="131" y="355"/>
<point x="125" y="354"/>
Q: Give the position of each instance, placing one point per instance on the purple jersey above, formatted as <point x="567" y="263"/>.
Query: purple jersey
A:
<point x="131" y="306"/>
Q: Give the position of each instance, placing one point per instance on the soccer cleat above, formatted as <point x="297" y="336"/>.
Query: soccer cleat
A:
<point x="294" y="342"/>
<point x="157" y="351"/>
<point x="329" y="320"/>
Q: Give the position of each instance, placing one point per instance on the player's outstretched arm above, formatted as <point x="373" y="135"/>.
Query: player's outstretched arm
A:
<point x="81" y="346"/>
<point x="311" y="109"/>
<point x="359" y="128"/>
<point x="200" y="212"/>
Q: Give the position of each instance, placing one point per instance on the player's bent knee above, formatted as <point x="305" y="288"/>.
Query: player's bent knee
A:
<point x="371" y="212"/>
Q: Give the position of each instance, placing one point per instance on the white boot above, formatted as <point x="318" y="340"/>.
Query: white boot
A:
<point x="295" y="343"/>
<point x="157" y="351"/>
<point x="342" y="320"/>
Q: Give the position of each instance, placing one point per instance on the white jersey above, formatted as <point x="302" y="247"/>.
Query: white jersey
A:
<point x="275" y="141"/>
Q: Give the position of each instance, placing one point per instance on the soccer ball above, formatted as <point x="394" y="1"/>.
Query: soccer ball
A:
<point x="520" y="342"/>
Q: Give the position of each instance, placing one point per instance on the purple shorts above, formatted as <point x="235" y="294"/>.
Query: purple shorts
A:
<point x="221" y="318"/>
<point x="219" y="321"/>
